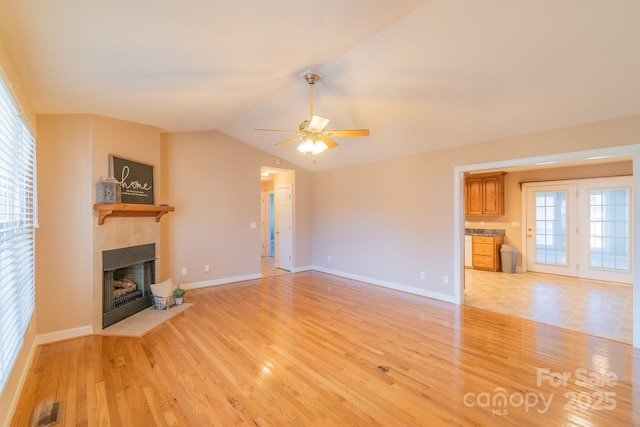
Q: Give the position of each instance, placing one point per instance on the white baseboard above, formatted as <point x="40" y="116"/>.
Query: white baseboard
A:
<point x="223" y="281"/>
<point x="390" y="285"/>
<point x="303" y="268"/>
<point x="63" y="335"/>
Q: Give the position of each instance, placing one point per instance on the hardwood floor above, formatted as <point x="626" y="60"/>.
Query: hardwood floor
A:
<point x="311" y="349"/>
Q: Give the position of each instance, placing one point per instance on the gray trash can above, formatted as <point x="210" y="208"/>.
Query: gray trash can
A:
<point x="508" y="256"/>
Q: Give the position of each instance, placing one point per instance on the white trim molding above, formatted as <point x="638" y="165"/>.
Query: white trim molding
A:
<point x="63" y="335"/>
<point x="390" y="285"/>
<point x="222" y="281"/>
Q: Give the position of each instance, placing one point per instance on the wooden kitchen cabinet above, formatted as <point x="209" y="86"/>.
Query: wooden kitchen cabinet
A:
<point x="484" y="194"/>
<point x="486" y="252"/>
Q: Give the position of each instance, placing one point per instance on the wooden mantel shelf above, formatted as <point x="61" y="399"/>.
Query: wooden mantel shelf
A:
<point x="130" y="210"/>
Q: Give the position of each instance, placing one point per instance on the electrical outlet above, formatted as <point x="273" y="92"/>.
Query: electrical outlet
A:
<point x="445" y="279"/>
<point x="206" y="268"/>
<point x="422" y="275"/>
<point x="183" y="270"/>
<point x="329" y="258"/>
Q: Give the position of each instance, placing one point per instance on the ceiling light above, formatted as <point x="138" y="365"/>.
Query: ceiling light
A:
<point x="312" y="147"/>
<point x="264" y="173"/>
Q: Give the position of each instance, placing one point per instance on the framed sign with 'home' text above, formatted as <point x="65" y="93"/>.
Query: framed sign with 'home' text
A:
<point x="135" y="178"/>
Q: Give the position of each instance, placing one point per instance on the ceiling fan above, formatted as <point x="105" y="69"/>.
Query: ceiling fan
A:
<point x="311" y="133"/>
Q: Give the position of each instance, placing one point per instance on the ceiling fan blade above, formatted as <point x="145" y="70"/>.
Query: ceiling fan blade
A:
<point x="288" y="141"/>
<point x="330" y="143"/>
<point x="277" y="130"/>
<point x="347" y="133"/>
<point x="318" y="123"/>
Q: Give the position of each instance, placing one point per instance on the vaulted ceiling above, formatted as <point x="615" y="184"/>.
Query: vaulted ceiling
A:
<point x="422" y="75"/>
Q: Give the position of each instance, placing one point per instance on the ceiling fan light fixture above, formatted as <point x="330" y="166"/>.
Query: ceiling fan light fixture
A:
<point x="313" y="147"/>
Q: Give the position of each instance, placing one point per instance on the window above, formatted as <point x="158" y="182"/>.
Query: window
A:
<point x="18" y="218"/>
<point x="551" y="227"/>
<point x="610" y="228"/>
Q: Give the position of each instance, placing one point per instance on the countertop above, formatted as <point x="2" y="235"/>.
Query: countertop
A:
<point x="483" y="232"/>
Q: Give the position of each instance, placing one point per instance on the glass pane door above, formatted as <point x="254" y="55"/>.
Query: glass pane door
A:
<point x="607" y="251"/>
<point x="551" y="241"/>
<point x="609" y="229"/>
<point x="580" y="228"/>
<point x="551" y="227"/>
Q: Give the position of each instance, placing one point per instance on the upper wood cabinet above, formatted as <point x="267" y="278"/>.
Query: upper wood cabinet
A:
<point x="484" y="194"/>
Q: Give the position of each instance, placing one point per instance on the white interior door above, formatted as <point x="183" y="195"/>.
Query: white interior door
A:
<point x="284" y="227"/>
<point x="551" y="229"/>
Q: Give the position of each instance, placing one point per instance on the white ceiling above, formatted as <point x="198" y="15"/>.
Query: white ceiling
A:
<point x="422" y="75"/>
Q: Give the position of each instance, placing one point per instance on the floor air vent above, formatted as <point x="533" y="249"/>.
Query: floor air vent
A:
<point x="46" y="414"/>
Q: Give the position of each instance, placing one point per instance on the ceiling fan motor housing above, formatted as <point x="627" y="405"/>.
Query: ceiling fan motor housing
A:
<point x="311" y="78"/>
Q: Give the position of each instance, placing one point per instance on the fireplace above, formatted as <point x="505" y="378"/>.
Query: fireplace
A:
<point x="126" y="281"/>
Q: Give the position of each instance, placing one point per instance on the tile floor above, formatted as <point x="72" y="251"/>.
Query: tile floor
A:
<point x="143" y="321"/>
<point x="598" y="308"/>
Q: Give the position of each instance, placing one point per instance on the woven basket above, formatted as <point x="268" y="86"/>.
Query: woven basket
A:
<point x="163" y="303"/>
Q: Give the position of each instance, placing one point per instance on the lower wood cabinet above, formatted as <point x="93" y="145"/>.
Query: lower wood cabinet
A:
<point x="486" y="252"/>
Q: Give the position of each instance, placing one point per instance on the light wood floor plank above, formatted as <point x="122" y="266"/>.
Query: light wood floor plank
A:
<point x="308" y="349"/>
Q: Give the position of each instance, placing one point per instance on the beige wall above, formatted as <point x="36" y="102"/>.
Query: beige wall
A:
<point x="64" y="239"/>
<point x="215" y="188"/>
<point x="12" y="79"/>
<point x="391" y="220"/>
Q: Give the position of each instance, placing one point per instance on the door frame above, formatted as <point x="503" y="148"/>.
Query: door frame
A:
<point x="459" y="216"/>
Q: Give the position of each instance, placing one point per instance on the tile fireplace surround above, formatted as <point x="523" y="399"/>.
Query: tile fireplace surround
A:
<point x="113" y="234"/>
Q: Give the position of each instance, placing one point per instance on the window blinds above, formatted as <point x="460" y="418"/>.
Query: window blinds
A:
<point x="18" y="219"/>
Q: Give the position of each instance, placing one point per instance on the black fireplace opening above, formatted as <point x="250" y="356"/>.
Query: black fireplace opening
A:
<point x="126" y="281"/>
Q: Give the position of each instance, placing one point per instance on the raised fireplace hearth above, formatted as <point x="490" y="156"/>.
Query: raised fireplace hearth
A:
<point x="126" y="281"/>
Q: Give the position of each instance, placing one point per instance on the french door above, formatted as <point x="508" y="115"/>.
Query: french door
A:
<point x="580" y="228"/>
<point x="551" y="229"/>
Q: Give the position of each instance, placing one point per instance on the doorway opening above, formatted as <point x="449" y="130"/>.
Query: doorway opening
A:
<point x="277" y="221"/>
<point x="627" y="153"/>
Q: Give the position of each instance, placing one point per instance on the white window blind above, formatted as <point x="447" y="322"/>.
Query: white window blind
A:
<point x="18" y="219"/>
